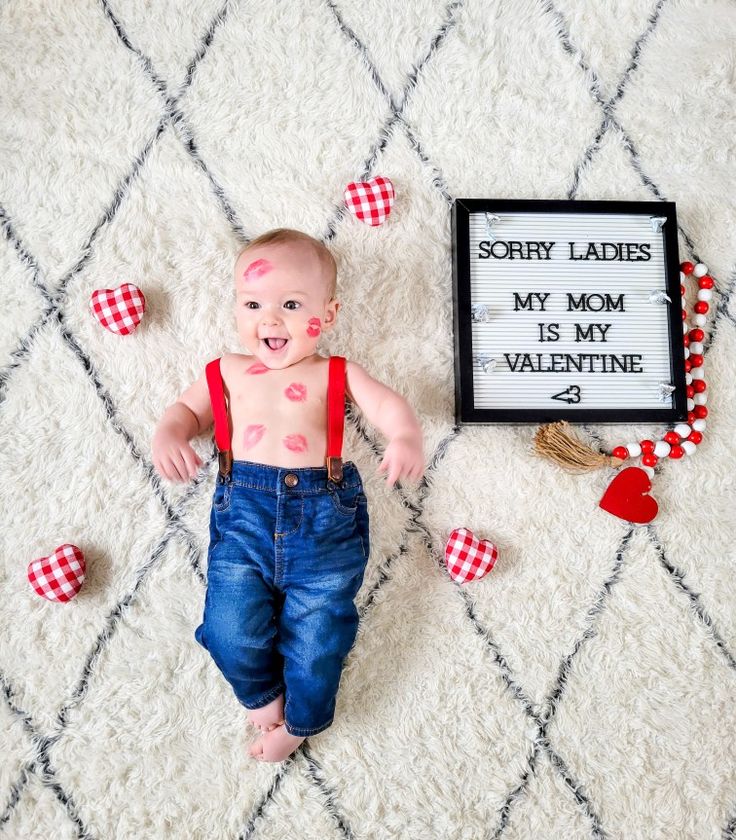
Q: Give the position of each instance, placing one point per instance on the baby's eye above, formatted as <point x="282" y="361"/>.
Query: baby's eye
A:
<point x="251" y="304"/>
<point x="295" y="302"/>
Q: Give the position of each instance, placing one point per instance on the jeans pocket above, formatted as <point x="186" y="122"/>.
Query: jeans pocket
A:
<point x="346" y="500"/>
<point x="222" y="496"/>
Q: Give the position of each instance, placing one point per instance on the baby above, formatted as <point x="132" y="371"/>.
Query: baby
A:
<point x="289" y="537"/>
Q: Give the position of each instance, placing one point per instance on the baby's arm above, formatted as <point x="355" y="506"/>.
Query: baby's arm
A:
<point x="392" y="414"/>
<point x="190" y="415"/>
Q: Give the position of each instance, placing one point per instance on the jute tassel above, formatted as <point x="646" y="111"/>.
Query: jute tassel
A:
<point x="556" y="442"/>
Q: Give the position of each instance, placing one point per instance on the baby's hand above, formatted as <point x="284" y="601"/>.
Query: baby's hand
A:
<point x="403" y="458"/>
<point x="173" y="457"/>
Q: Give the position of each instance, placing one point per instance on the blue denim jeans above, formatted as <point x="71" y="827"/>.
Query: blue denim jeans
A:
<point x="287" y="554"/>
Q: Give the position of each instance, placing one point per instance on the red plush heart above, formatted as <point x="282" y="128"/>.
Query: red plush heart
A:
<point x="626" y="496"/>
<point x="59" y="576"/>
<point x="118" y="310"/>
<point x="371" y="201"/>
<point x="469" y="558"/>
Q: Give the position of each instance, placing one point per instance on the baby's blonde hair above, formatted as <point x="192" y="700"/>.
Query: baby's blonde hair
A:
<point x="282" y="235"/>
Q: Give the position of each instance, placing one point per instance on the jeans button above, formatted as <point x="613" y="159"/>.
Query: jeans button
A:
<point x="291" y="480"/>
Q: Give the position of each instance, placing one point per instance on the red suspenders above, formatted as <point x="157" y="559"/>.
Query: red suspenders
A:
<point x="220" y="414"/>
<point x="335" y="417"/>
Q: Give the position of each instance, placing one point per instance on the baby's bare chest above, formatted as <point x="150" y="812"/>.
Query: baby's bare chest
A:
<point x="279" y="416"/>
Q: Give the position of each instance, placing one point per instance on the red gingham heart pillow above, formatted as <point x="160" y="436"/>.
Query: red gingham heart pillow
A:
<point x="59" y="576"/>
<point x="469" y="558"/>
<point x="118" y="310"/>
<point x="371" y="201"/>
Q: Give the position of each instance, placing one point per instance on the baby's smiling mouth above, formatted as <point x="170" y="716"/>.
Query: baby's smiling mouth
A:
<point x="274" y="343"/>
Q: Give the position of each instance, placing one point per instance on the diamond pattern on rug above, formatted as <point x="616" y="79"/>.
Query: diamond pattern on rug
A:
<point x="643" y="703"/>
<point x="706" y="556"/>
<point x="195" y="320"/>
<point x="173" y="717"/>
<point x="302" y="806"/>
<point x="101" y="504"/>
<point x="18" y="284"/>
<point x="430" y="701"/>
<point x="548" y="808"/>
<point x="41" y="809"/>
<point x="394" y="43"/>
<point x="258" y="146"/>
<point x="413" y="299"/>
<point x="468" y="92"/>
<point x="18" y="753"/>
<point x="609" y="174"/>
<point x="66" y="147"/>
<point x="607" y="36"/>
<point x="168" y="32"/>
<point x="552" y="565"/>
<point x="272" y="152"/>
<point x="679" y="144"/>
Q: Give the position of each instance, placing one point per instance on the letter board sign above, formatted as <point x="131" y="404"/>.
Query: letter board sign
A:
<point x="567" y="310"/>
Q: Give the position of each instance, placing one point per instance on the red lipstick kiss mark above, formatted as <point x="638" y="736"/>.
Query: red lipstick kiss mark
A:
<point x="296" y="443"/>
<point x="297" y="392"/>
<point x="258" y="367"/>
<point x="252" y="435"/>
<point x="314" y="327"/>
<point x="257" y="269"/>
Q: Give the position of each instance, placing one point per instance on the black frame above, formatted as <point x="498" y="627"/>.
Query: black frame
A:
<point x="465" y="412"/>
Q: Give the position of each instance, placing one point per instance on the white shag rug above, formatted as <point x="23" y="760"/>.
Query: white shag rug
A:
<point x="586" y="688"/>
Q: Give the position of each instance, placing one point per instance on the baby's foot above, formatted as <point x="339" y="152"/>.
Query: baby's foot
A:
<point x="275" y="745"/>
<point x="268" y="717"/>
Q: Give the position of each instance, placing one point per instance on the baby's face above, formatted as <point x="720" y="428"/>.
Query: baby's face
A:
<point x="281" y="293"/>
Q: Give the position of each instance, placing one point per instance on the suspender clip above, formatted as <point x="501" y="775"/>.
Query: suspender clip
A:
<point x="334" y="468"/>
<point x="225" y="461"/>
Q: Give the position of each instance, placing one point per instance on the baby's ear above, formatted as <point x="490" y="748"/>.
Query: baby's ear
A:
<point x="331" y="312"/>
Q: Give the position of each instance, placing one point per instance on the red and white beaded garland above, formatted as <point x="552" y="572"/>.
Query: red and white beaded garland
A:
<point x="683" y="438"/>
